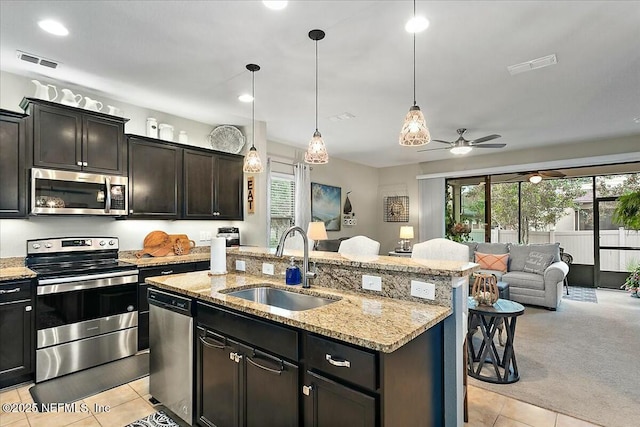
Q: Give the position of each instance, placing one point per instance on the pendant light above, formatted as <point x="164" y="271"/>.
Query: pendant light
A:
<point x="317" y="152"/>
<point x="252" y="163"/>
<point x="414" y="132"/>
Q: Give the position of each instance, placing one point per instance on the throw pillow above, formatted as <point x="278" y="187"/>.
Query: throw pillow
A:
<point x="537" y="262"/>
<point x="492" y="261"/>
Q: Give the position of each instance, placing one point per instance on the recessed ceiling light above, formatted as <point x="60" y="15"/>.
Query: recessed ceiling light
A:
<point x="53" y="27"/>
<point x="416" y="24"/>
<point x="245" y="97"/>
<point x="275" y="5"/>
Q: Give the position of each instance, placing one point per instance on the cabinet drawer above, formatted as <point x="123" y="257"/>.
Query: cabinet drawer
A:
<point x="342" y="361"/>
<point x="276" y="339"/>
<point x="15" y="291"/>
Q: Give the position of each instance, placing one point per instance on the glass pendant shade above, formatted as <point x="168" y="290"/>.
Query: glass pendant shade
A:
<point x="252" y="162"/>
<point x="316" y="152"/>
<point x="414" y="131"/>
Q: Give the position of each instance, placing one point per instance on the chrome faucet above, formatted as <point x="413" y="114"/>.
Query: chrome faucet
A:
<point x="306" y="274"/>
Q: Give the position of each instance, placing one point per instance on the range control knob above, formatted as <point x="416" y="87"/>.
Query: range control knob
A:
<point x="112" y="242"/>
<point x="48" y="245"/>
<point x="102" y="243"/>
<point x="36" y="246"/>
<point x="88" y="242"/>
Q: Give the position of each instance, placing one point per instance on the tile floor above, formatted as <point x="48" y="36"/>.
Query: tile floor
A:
<point x="129" y="402"/>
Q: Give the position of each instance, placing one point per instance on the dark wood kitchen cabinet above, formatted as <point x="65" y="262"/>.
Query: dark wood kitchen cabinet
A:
<point x="17" y="352"/>
<point x="212" y="185"/>
<point x="71" y="138"/>
<point x="239" y="382"/>
<point x="155" y="179"/>
<point x="13" y="193"/>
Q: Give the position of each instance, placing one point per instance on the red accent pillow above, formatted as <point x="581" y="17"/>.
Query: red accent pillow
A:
<point x="493" y="261"/>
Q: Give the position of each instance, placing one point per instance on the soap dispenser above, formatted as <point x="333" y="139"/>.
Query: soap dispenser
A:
<point x="293" y="275"/>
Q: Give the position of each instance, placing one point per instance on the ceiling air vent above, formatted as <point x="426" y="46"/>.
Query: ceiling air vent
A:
<point x="34" y="59"/>
<point x="534" y="64"/>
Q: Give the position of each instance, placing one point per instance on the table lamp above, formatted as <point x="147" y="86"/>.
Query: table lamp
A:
<point x="406" y="234"/>
<point x="316" y="231"/>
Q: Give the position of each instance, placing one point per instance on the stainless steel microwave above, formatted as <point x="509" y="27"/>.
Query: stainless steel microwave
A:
<point x="77" y="193"/>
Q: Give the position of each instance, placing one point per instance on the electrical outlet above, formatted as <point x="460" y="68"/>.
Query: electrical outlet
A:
<point x="423" y="290"/>
<point x="267" y="269"/>
<point x="372" y="283"/>
<point x="240" y="265"/>
<point x="205" y="236"/>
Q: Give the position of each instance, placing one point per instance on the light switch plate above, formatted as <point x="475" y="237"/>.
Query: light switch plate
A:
<point x="267" y="268"/>
<point x="240" y="265"/>
<point x="372" y="283"/>
<point x="423" y="290"/>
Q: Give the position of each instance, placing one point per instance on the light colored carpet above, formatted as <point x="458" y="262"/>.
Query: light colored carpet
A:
<point x="581" y="360"/>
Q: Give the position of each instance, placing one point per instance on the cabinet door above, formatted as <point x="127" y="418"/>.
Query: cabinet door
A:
<point x="12" y="171"/>
<point x="330" y="404"/>
<point x="102" y="145"/>
<point x="57" y="138"/>
<point x="198" y="184"/>
<point x="155" y="171"/>
<point x="16" y="331"/>
<point x="271" y="394"/>
<point x="229" y="180"/>
<point x="218" y="382"/>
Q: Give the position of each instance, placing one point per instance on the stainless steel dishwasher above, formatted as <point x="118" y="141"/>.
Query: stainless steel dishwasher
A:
<point x="171" y="352"/>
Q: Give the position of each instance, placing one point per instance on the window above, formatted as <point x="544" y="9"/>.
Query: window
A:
<point x="282" y="212"/>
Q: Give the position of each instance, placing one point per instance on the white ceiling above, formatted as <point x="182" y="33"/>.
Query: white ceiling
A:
<point x="188" y="58"/>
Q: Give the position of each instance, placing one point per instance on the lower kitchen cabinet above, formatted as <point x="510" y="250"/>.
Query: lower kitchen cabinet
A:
<point x="16" y="332"/>
<point x="331" y="404"/>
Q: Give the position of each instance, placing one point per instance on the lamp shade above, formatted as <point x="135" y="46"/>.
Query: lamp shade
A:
<point x="316" y="231"/>
<point x="406" y="232"/>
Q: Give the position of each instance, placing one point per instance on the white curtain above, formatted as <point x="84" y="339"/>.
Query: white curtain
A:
<point x="302" y="179"/>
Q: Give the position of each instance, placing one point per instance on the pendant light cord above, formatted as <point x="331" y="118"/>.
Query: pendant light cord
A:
<point x="414" y="55"/>
<point x="253" y="109"/>
<point x="316" y="85"/>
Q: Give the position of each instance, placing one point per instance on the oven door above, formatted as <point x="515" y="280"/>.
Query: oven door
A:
<point x="69" y="309"/>
<point x="77" y="193"/>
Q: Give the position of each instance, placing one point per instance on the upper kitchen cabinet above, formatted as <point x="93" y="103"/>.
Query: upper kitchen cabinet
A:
<point x="12" y="170"/>
<point x="155" y="178"/>
<point x="212" y="185"/>
<point x="75" y="139"/>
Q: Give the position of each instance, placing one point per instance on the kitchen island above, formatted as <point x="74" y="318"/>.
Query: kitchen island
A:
<point x="373" y="357"/>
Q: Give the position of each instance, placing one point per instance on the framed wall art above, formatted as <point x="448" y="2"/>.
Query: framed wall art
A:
<point x="396" y="209"/>
<point x="325" y="205"/>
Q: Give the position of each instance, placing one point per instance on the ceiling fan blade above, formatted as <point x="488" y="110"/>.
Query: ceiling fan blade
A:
<point x="490" y="146"/>
<point x="439" y="140"/>
<point x="434" y="149"/>
<point x="485" y="138"/>
<point x="555" y="174"/>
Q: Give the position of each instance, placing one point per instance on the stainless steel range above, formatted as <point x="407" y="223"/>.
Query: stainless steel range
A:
<point x="86" y="304"/>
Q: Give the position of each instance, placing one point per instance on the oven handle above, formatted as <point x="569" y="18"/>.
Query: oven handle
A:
<point x="54" y="286"/>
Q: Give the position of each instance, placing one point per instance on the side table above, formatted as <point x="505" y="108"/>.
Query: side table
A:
<point x="502" y="368"/>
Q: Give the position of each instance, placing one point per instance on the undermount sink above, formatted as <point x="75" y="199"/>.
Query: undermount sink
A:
<point x="292" y="301"/>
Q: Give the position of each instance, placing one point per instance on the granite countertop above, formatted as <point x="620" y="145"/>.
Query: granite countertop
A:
<point x="377" y="323"/>
<point x="165" y="260"/>
<point x="16" y="273"/>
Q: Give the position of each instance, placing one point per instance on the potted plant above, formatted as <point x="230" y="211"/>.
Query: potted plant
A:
<point x="633" y="282"/>
<point x="627" y="214"/>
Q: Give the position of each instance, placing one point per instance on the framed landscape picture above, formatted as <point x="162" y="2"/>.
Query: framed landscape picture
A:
<point x="325" y="205"/>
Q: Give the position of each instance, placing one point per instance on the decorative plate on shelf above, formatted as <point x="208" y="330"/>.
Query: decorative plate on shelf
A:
<point x="227" y="138"/>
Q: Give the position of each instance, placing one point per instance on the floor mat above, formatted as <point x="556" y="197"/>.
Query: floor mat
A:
<point x="578" y="293"/>
<point x="79" y="385"/>
<point x="157" y="419"/>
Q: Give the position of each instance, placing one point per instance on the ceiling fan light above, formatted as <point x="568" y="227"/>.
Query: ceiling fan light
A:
<point x="316" y="154"/>
<point x="461" y="149"/>
<point x="535" y="178"/>
<point x="414" y="132"/>
<point x="275" y="5"/>
<point x="252" y="162"/>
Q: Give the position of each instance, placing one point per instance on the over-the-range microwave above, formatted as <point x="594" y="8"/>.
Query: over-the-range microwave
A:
<point x="77" y="193"/>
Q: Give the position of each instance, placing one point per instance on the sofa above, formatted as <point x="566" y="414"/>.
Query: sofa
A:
<point x="535" y="273"/>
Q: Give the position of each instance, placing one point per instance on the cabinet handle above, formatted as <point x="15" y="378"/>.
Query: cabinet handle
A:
<point x="273" y="371"/>
<point x="85" y="164"/>
<point x="166" y="272"/>
<point x="307" y="389"/>
<point x="339" y="363"/>
<point x="79" y="163"/>
<point x="11" y="291"/>
<point x="28" y="308"/>
<point x="211" y="343"/>
<point x="235" y="357"/>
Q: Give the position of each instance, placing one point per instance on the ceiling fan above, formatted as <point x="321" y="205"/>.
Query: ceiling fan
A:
<point x="463" y="146"/>
<point x="537" y="176"/>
